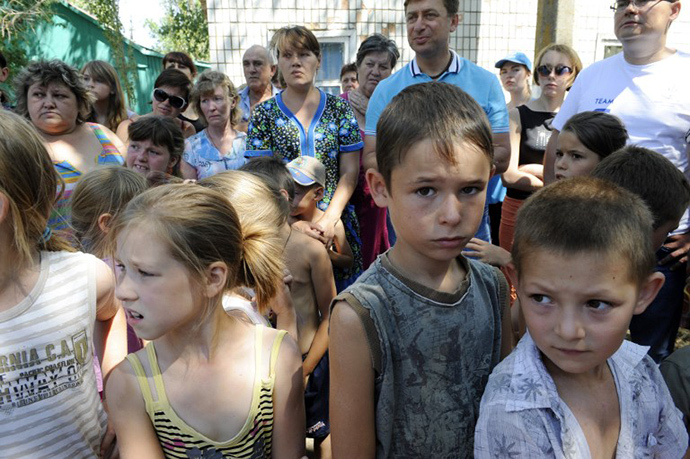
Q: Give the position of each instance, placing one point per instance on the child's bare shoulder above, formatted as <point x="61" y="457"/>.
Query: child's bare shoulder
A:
<point x="309" y="245"/>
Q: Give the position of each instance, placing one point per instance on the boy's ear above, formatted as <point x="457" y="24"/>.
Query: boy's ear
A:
<point x="318" y="194"/>
<point x="377" y="187"/>
<point x="104" y="222"/>
<point x="216" y="276"/>
<point x="648" y="290"/>
<point x="511" y="271"/>
<point x="285" y="194"/>
<point x="173" y="162"/>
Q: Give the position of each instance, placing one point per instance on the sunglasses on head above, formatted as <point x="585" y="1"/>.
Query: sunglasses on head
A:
<point x="162" y="96"/>
<point x="545" y="70"/>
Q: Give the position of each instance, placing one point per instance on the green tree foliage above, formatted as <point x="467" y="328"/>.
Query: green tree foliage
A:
<point x="184" y="27"/>
<point x="17" y="17"/>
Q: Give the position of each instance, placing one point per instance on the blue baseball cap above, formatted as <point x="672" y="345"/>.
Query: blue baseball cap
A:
<point x="518" y="58"/>
<point x="307" y="171"/>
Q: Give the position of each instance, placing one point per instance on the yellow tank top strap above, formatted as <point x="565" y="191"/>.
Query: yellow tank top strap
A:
<point x="141" y="378"/>
<point x="157" y="376"/>
<point x="274" y="352"/>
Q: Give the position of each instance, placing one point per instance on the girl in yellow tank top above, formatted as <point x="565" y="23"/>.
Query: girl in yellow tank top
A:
<point x="209" y="385"/>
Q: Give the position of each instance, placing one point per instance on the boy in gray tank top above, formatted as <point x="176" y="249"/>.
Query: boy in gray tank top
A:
<point x="414" y="340"/>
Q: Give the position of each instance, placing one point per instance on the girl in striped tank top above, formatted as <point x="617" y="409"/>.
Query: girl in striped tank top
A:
<point x="208" y="385"/>
<point x="55" y="304"/>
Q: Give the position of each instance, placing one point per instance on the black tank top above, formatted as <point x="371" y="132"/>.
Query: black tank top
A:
<point x="535" y="134"/>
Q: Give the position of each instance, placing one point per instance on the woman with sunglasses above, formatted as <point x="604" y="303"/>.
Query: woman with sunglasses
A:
<point x="220" y="146"/>
<point x="170" y="97"/>
<point x="555" y="71"/>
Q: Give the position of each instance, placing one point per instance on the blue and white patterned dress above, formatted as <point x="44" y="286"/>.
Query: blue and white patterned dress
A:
<point x="202" y="155"/>
<point x="275" y="130"/>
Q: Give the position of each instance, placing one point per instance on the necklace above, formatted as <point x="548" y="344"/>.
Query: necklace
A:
<point x="450" y="61"/>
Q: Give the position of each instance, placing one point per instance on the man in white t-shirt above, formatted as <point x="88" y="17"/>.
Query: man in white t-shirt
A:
<point x="645" y="87"/>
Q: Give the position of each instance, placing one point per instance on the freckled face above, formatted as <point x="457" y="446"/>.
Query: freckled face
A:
<point x="436" y="207"/>
<point x="577" y="307"/>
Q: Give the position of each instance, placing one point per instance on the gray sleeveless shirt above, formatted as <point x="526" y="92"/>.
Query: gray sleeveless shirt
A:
<point x="432" y="352"/>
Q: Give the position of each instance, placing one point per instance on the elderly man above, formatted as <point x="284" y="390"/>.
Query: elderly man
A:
<point x="259" y="68"/>
<point x="644" y="86"/>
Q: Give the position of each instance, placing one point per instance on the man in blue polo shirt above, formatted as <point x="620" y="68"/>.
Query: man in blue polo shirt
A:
<point x="429" y="25"/>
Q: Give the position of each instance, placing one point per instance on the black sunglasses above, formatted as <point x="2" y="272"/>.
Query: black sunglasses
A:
<point x="162" y="96"/>
<point x="545" y="70"/>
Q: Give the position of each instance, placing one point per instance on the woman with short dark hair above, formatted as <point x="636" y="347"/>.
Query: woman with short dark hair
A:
<point x="376" y="57"/>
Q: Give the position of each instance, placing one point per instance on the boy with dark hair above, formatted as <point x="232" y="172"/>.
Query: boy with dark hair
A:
<point x="414" y="339"/>
<point x="273" y="170"/>
<point x="655" y="179"/>
<point x="156" y="143"/>
<point x="665" y="190"/>
<point x="583" y="264"/>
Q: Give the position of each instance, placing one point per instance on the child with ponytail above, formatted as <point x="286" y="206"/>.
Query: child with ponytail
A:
<point x="55" y="305"/>
<point x="209" y="384"/>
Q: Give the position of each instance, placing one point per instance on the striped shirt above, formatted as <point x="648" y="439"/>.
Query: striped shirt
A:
<point x="49" y="403"/>
<point x="60" y="219"/>
<point x="179" y="440"/>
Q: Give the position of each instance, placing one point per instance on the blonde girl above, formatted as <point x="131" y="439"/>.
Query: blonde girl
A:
<point x="54" y="305"/>
<point x="555" y="70"/>
<point x="98" y="198"/>
<point x="208" y="384"/>
<point x="109" y="107"/>
<point x="244" y="190"/>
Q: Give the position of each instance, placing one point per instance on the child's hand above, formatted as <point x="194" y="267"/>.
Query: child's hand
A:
<point x="108" y="444"/>
<point x="679" y="245"/>
<point x="488" y="253"/>
<point x="310" y="229"/>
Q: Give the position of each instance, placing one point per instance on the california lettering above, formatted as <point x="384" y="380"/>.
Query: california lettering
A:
<point x="34" y="374"/>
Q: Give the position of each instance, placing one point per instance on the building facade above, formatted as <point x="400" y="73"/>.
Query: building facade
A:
<point x="488" y="30"/>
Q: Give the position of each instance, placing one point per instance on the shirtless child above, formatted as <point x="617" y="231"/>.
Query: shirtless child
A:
<point x="312" y="290"/>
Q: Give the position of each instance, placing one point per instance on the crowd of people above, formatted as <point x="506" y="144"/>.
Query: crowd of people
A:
<point x="414" y="268"/>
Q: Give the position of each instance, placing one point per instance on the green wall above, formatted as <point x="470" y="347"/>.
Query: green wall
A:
<point x="76" y="38"/>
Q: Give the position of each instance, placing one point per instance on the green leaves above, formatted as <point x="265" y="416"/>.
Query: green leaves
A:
<point x="184" y="27"/>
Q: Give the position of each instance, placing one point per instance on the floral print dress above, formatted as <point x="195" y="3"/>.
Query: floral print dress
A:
<point x="275" y="130"/>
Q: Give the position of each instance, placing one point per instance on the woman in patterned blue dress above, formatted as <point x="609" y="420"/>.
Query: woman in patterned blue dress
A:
<point x="305" y="121"/>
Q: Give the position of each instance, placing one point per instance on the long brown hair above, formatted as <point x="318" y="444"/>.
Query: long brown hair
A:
<point x="117" y="111"/>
